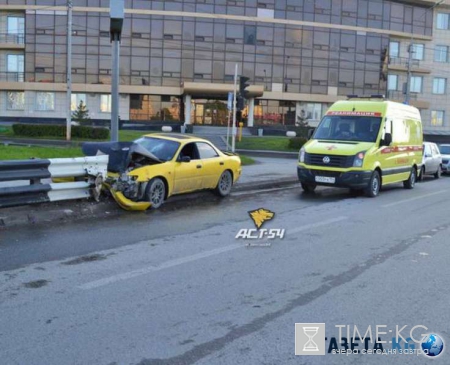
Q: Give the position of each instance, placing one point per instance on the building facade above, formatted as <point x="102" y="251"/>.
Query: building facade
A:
<point x="178" y="58"/>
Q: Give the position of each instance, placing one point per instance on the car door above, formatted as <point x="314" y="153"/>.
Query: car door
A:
<point x="428" y="158"/>
<point x="436" y="157"/>
<point x="188" y="175"/>
<point x="213" y="165"/>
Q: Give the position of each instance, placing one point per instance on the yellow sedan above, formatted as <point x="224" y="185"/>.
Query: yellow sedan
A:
<point x="146" y="172"/>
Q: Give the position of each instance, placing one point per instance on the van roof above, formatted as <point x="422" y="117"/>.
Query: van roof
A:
<point x="379" y="106"/>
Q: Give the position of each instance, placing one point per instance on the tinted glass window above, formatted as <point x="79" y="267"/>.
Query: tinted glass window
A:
<point x="348" y="128"/>
<point x="206" y="151"/>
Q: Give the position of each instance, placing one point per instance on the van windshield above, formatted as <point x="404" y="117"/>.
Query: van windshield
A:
<point x="348" y="128"/>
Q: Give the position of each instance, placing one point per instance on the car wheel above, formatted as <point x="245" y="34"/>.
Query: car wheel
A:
<point x="437" y="175"/>
<point x="308" y="188"/>
<point x="422" y="174"/>
<point x="373" y="189"/>
<point x="411" y="182"/>
<point x="156" y="192"/>
<point x="225" y="184"/>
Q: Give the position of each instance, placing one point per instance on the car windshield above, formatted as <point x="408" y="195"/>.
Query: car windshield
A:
<point x="445" y="150"/>
<point x="163" y="149"/>
<point x="348" y="128"/>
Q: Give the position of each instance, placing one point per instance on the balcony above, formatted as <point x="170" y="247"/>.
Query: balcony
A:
<point x="399" y="96"/>
<point x="12" y="41"/>
<point x="12" y="76"/>
<point x="401" y="64"/>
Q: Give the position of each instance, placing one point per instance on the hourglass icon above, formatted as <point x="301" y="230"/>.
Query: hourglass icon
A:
<point x="310" y="345"/>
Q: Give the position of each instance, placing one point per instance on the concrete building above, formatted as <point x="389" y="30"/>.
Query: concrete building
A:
<point x="178" y="58"/>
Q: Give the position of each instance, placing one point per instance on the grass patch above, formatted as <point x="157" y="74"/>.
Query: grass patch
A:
<point x="247" y="160"/>
<point x="265" y="143"/>
<point x="25" y="153"/>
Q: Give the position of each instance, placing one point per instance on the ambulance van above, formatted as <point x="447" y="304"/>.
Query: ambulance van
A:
<point x="363" y="144"/>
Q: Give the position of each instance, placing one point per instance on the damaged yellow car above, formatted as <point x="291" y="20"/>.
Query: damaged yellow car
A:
<point x="144" y="173"/>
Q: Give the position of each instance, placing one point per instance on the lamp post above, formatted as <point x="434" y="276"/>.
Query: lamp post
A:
<point x="410" y="50"/>
<point x="116" y="13"/>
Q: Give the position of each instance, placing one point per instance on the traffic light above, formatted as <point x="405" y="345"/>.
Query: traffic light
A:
<point x="243" y="84"/>
<point x="240" y="103"/>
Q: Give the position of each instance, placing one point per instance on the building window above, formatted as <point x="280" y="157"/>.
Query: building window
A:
<point x="266" y="13"/>
<point x="16" y="100"/>
<point x="154" y="107"/>
<point x="392" y="82"/>
<point x="45" y="101"/>
<point x="439" y="85"/>
<point x="76" y="100"/>
<point x="441" y="54"/>
<point x="442" y="21"/>
<point x="15" y="29"/>
<point x="105" y="103"/>
<point x="394" y="49"/>
<point x="437" y="118"/>
<point x="15" y="67"/>
<point x="250" y="34"/>
<point x="416" y="84"/>
<point x="418" y="51"/>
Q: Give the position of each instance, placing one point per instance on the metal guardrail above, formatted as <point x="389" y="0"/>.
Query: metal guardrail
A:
<point x="88" y="173"/>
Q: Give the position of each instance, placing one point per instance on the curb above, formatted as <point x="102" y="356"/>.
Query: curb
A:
<point x="271" y="154"/>
<point x="78" y="210"/>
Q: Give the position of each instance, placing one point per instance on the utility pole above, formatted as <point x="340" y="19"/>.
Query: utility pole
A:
<point x="411" y="50"/>
<point x="233" y="130"/>
<point x="116" y="13"/>
<point x="69" y="72"/>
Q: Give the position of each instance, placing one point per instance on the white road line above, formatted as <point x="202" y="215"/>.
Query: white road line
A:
<point x="315" y="225"/>
<point x="182" y="260"/>
<point x="413" y="199"/>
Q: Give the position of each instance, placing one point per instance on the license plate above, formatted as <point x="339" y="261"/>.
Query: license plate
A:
<point x="325" y="179"/>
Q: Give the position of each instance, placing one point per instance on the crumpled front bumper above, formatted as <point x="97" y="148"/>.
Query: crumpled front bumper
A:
<point x="128" y="204"/>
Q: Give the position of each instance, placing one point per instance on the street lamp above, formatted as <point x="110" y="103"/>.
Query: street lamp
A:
<point x="116" y="13"/>
<point x="410" y="50"/>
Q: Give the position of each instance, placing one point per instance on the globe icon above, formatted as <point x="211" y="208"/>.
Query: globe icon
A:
<point x="432" y="345"/>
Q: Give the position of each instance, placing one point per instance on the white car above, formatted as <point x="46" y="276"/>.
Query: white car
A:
<point x="431" y="161"/>
<point x="445" y="153"/>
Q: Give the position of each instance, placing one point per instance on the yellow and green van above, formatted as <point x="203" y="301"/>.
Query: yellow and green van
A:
<point x="363" y="144"/>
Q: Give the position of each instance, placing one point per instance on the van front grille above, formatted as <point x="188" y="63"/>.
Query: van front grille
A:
<point x="335" y="160"/>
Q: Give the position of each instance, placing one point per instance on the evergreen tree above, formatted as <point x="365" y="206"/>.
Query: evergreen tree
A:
<point x="81" y="115"/>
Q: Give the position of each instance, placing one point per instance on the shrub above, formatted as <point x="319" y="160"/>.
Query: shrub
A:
<point x="50" y="130"/>
<point x="296" y="143"/>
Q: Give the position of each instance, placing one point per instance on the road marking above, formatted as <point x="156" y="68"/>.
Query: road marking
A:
<point x="183" y="260"/>
<point x="149" y="269"/>
<point x="413" y="199"/>
<point x="315" y="225"/>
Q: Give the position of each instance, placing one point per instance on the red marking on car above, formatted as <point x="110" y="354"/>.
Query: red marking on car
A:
<point x="354" y="114"/>
<point x="331" y="148"/>
<point x="398" y="149"/>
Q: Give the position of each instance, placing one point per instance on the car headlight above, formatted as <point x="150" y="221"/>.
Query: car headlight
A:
<point x="359" y="159"/>
<point x="301" y="155"/>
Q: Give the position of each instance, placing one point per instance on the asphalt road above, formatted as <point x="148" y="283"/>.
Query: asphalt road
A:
<point x="175" y="287"/>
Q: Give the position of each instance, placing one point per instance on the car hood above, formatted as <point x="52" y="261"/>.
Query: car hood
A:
<point x="121" y="154"/>
<point x="346" y="148"/>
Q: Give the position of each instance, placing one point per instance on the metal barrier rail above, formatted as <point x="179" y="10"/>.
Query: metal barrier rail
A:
<point x="88" y="173"/>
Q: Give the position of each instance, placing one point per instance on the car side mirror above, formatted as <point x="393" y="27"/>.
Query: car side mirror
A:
<point x="427" y="155"/>
<point x="185" y="159"/>
<point x="387" y="139"/>
<point x="310" y="133"/>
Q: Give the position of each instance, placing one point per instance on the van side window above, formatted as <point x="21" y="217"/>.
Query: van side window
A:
<point x="387" y="127"/>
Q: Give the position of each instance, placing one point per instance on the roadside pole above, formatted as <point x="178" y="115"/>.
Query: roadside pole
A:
<point x="233" y="143"/>
<point x="69" y="72"/>
<point x="116" y="22"/>
<point x="230" y="108"/>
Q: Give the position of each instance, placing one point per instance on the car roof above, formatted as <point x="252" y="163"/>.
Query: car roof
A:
<point x="176" y="137"/>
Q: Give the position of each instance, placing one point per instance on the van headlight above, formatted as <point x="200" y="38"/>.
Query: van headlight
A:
<point x="301" y="155"/>
<point x="359" y="159"/>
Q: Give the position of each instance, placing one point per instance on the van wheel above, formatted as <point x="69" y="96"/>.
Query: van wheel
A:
<point x="422" y="174"/>
<point x="437" y="175"/>
<point x="373" y="189"/>
<point x="411" y="182"/>
<point x="308" y="188"/>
